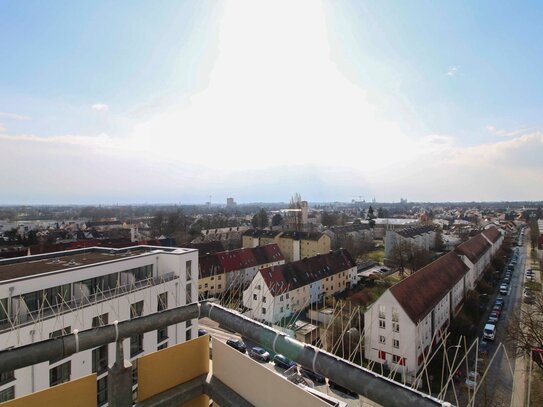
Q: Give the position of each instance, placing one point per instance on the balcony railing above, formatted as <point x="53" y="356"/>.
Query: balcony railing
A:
<point x="50" y="310"/>
<point x="371" y="385"/>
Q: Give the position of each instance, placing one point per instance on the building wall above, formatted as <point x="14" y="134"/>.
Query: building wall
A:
<point x="36" y="377"/>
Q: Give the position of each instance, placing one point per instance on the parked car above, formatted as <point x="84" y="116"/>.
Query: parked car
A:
<point x="493" y="317"/>
<point x="504" y="289"/>
<point x="259" y="354"/>
<point x="472" y="379"/>
<point x="489" y="332"/>
<point x="497" y="309"/>
<point x="283" y="361"/>
<point x="202" y="332"/>
<point x="506" y="280"/>
<point x="237" y="344"/>
<point x="315" y="377"/>
<point x="500" y="301"/>
<point x="335" y="386"/>
<point x="483" y="347"/>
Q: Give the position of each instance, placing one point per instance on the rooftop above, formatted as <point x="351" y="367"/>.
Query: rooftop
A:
<point x="39" y="264"/>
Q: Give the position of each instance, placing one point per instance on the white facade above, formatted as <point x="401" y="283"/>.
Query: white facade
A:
<point x="146" y="281"/>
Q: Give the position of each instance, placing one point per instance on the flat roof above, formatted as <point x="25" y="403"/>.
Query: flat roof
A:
<point x="20" y="267"/>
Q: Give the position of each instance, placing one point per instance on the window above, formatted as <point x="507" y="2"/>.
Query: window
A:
<point x="101" y="391"/>
<point x="287" y="296"/>
<point x="6" y="377"/>
<point x="135" y="372"/>
<point x="188" y="274"/>
<point x="281" y="309"/>
<point x="162" y="334"/>
<point x="396" y="343"/>
<point x="219" y="286"/>
<point x="100" y="360"/>
<point x="281" y="298"/>
<point x="396" y="327"/>
<point x="398" y="359"/>
<point x="382" y="355"/>
<point x="382" y="339"/>
<point x="7" y="394"/>
<point x="382" y="311"/>
<point x="219" y="277"/>
<point x="60" y="374"/>
<point x="395" y="315"/>
<point x="188" y="335"/>
<point x="255" y="297"/>
<point x="162" y="301"/>
<point x="163" y="346"/>
<point x="382" y="324"/>
<point x="188" y="291"/>
<point x="100" y="320"/>
<point x="263" y="299"/>
<point x="188" y="323"/>
<point x="136" y="341"/>
<point x="263" y="310"/>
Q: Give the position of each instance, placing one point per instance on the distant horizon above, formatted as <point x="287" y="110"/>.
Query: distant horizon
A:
<point x="176" y="101"/>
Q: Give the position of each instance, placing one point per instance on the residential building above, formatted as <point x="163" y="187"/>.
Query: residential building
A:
<point x="279" y="291"/>
<point x="423" y="237"/>
<point x="50" y="295"/>
<point x="234" y="269"/>
<point x="293" y="245"/>
<point x="408" y="320"/>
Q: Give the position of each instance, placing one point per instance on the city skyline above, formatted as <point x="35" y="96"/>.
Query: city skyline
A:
<point x="105" y="103"/>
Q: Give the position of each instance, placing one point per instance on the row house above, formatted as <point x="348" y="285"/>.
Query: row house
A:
<point x="280" y="291"/>
<point x="406" y="322"/>
<point x="420" y="236"/>
<point x="293" y="245"/>
<point x="234" y="269"/>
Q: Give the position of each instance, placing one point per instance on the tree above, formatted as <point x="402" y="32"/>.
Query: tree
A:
<point x="370" y="217"/>
<point x="439" y="244"/>
<point x="382" y="213"/>
<point x="296" y="203"/>
<point x="406" y="254"/>
<point x="534" y="232"/>
<point x="328" y="219"/>
<point x="260" y="220"/>
<point x="277" y="220"/>
<point x="525" y="331"/>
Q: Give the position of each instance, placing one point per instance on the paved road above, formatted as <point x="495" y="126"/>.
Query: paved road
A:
<point x="496" y="389"/>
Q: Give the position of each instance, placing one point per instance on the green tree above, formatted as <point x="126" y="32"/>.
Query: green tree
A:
<point x="277" y="219"/>
<point x="260" y="219"/>
<point x="370" y="217"/>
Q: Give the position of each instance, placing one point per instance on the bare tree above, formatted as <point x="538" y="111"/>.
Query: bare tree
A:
<point x="406" y="254"/>
<point x="525" y="331"/>
<point x="296" y="203"/>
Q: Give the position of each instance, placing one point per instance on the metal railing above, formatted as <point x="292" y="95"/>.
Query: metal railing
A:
<point x="356" y="378"/>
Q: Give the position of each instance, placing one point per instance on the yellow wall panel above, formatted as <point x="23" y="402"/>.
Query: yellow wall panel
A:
<point x="81" y="392"/>
<point x="167" y="368"/>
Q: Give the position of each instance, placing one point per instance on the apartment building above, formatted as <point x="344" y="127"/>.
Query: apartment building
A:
<point x="406" y="322"/>
<point x="219" y="272"/>
<point x="50" y="295"/>
<point x="420" y="236"/>
<point x="279" y="291"/>
<point x="293" y="245"/>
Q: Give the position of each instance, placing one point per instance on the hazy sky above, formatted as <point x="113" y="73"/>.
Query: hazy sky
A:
<point x="173" y="101"/>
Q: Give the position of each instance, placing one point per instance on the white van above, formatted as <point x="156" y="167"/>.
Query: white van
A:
<point x="489" y="332"/>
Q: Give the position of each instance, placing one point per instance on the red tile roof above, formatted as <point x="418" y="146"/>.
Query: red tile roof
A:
<point x="492" y="234"/>
<point x="419" y="293"/>
<point x="290" y="276"/>
<point x="474" y="248"/>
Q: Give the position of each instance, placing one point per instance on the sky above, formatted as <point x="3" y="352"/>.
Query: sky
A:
<point x="176" y="101"/>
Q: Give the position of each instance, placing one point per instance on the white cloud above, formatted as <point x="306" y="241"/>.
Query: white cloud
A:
<point x="14" y="116"/>
<point x="100" y="107"/>
<point x="507" y="133"/>
<point x="2" y="128"/>
<point x="453" y="70"/>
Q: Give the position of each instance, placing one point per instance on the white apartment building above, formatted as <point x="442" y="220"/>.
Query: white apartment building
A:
<point x="45" y="296"/>
<point x="420" y="236"/>
<point x="280" y="291"/>
<point x="407" y="321"/>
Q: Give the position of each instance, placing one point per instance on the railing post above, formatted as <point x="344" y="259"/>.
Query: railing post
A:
<point x="119" y="381"/>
